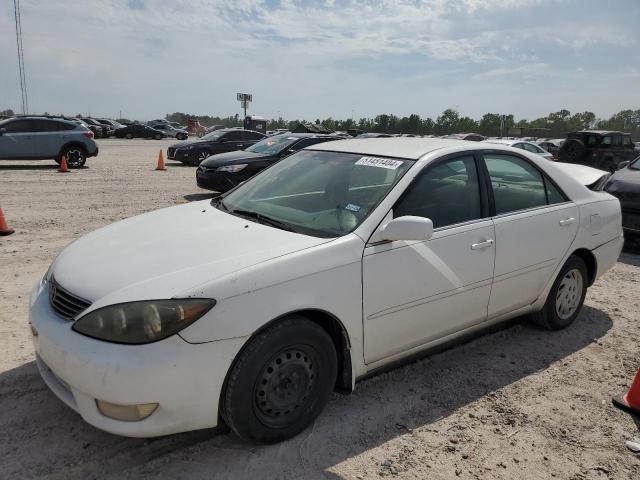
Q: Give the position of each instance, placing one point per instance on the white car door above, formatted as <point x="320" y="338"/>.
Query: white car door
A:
<point x="535" y="225"/>
<point x="416" y="292"/>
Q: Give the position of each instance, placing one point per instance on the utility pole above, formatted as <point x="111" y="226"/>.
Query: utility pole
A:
<point x="23" y="80"/>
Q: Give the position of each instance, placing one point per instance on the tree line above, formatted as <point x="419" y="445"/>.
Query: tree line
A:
<point x="556" y="124"/>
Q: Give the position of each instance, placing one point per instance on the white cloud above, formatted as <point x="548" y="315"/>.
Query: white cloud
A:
<point x="299" y="58"/>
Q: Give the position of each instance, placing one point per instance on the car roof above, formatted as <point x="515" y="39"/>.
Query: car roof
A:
<point x="500" y="141"/>
<point x="410" y="148"/>
<point x="600" y="132"/>
<point x="305" y="135"/>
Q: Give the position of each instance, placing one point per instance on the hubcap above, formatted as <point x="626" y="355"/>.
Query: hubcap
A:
<point x="74" y="157"/>
<point x="203" y="156"/>
<point x="284" y="385"/>
<point x="569" y="294"/>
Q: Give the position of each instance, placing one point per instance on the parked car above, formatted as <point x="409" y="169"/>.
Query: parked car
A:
<point x="137" y="130"/>
<point x="107" y="128"/>
<point x="219" y="141"/>
<point x="551" y="145"/>
<point x="45" y="138"/>
<point x="625" y="185"/>
<point x="601" y="149"/>
<point x="224" y="171"/>
<point x="97" y="129"/>
<point x="110" y="123"/>
<point x="528" y="146"/>
<point x="171" y="131"/>
<point x="339" y="260"/>
<point x="472" y="137"/>
<point x="374" y="135"/>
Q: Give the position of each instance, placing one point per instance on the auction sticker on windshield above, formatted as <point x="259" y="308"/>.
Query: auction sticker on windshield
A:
<point x="379" y="162"/>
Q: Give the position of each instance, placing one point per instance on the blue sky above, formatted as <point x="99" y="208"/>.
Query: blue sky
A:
<point x="309" y="59"/>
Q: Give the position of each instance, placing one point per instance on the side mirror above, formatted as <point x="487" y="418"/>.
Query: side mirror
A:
<point x="407" y="228"/>
<point x="620" y="166"/>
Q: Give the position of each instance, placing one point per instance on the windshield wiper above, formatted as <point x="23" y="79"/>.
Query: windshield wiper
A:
<point x="263" y="219"/>
<point x="218" y="202"/>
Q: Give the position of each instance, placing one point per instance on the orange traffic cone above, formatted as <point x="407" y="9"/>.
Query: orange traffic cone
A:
<point x="4" y="228"/>
<point x="160" y="162"/>
<point x="630" y="401"/>
<point x="64" y="168"/>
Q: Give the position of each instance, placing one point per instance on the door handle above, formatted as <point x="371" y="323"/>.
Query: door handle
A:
<point x="240" y="145"/>
<point x="565" y="222"/>
<point x="482" y="245"/>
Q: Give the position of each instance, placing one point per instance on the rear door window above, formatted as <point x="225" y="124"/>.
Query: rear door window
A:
<point x="19" y="126"/>
<point x="516" y="184"/>
<point x="606" y="142"/>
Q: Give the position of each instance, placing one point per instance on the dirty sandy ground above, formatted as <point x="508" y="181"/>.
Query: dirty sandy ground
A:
<point x="516" y="403"/>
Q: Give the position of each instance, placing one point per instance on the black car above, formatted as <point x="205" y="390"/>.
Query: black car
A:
<point x="625" y="185"/>
<point x="219" y="141"/>
<point x="98" y="129"/>
<point x="224" y="171"/>
<point x="137" y="130"/>
<point x="597" y="148"/>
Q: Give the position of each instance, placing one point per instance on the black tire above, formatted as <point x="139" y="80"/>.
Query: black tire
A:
<point x="280" y="382"/>
<point x="202" y="156"/>
<point x="157" y="136"/>
<point x="129" y="136"/>
<point x="571" y="151"/>
<point x="76" y="156"/>
<point x="550" y="317"/>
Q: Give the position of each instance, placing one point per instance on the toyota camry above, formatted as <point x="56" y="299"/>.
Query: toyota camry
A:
<point x="251" y="309"/>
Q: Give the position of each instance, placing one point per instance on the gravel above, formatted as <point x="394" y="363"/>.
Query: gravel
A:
<point x="517" y="402"/>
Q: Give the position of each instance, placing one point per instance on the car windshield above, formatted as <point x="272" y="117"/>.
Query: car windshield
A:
<point x="635" y="164"/>
<point x="273" y="145"/>
<point x="323" y="194"/>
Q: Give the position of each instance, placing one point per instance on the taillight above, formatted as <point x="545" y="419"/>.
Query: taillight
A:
<point x="88" y="134"/>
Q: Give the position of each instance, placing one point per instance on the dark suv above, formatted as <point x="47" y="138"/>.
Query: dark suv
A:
<point x="218" y="141"/>
<point x="597" y="148"/>
<point x="42" y="138"/>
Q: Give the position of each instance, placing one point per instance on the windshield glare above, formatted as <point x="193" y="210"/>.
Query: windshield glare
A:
<point x="272" y="145"/>
<point x="324" y="194"/>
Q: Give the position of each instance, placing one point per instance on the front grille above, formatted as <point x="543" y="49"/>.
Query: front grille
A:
<point x="65" y="303"/>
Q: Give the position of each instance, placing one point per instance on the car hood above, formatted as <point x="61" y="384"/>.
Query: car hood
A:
<point x="228" y="158"/>
<point x="168" y="252"/>
<point x="627" y="178"/>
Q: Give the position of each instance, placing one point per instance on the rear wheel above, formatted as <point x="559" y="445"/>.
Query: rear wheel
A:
<point x="280" y="382"/>
<point x="157" y="136"/>
<point x="129" y="136"/>
<point x="566" y="296"/>
<point x="76" y="156"/>
<point x="571" y="151"/>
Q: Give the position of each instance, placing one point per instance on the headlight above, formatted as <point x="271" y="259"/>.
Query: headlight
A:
<point x="142" y="322"/>
<point x="190" y="147"/>
<point x="231" y="168"/>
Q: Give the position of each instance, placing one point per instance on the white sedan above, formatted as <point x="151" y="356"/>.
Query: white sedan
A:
<point x="338" y="260"/>
<point x="523" y="145"/>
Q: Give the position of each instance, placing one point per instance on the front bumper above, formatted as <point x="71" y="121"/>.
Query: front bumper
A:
<point x="185" y="379"/>
<point x="216" y="181"/>
<point x="188" y="156"/>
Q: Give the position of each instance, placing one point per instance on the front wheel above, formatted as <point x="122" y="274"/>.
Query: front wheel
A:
<point x="280" y="382"/>
<point x="566" y="296"/>
<point x="129" y="136"/>
<point x="157" y="136"/>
